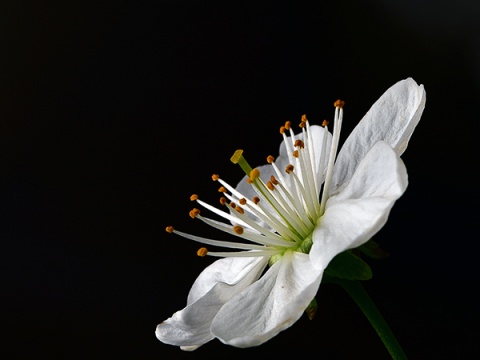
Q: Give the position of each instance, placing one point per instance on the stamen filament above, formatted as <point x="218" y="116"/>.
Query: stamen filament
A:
<point x="291" y="212"/>
<point x="291" y="194"/>
<point x="248" y="235"/>
<point x="309" y="206"/>
<point x="308" y="183"/>
<point x="276" y="224"/>
<point x="337" y="125"/>
<point x="300" y="218"/>
<point x="220" y="243"/>
<point x="271" y="220"/>
<point x="223" y="214"/>
<point x="273" y="202"/>
<point x="273" y="236"/>
<point x="234" y="192"/>
<point x="244" y="253"/>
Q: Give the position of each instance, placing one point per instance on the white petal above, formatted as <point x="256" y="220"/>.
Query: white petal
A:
<point x="271" y="304"/>
<point x="392" y="119"/>
<point x="361" y="209"/>
<point x="190" y="327"/>
<point x="230" y="271"/>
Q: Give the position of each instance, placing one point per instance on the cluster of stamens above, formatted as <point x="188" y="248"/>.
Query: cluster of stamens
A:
<point x="285" y="210"/>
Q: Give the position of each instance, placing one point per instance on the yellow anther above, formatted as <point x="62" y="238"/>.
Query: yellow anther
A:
<point x="256" y="199"/>
<point x="270" y="159"/>
<point x="270" y="185"/>
<point x="238" y="229"/>
<point x="232" y="205"/>
<point x="255" y="173"/>
<point x="288" y="125"/>
<point x="299" y="143"/>
<point x="339" y="103"/>
<point x="223" y="200"/>
<point x="325" y="123"/>
<point x="242" y="201"/>
<point x="249" y="180"/>
<point x="202" y="252"/>
<point x="169" y="229"/>
<point x="289" y="169"/>
<point x="304" y="118"/>
<point x="295" y="153"/>
<point x="215" y="177"/>
<point x="240" y="210"/>
<point x="194" y="212"/>
<point x="273" y="180"/>
<point x="282" y="129"/>
<point x="193" y="197"/>
<point x="222" y="189"/>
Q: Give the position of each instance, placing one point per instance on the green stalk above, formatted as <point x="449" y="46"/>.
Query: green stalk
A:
<point x="365" y="303"/>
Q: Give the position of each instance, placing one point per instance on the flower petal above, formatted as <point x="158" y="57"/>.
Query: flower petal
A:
<point x="392" y="119"/>
<point x="361" y="209"/>
<point x="219" y="282"/>
<point x="271" y="304"/>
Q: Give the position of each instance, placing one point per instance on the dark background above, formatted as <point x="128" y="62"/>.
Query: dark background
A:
<point x="113" y="113"/>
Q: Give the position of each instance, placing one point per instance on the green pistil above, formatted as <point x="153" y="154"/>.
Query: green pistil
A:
<point x="304" y="247"/>
<point x="237" y="158"/>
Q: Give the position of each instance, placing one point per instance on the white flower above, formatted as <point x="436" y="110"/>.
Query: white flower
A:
<point x="276" y="208"/>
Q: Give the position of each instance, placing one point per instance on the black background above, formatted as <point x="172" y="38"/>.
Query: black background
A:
<point x="113" y="113"/>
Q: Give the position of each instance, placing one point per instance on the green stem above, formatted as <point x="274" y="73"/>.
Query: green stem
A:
<point x="365" y="303"/>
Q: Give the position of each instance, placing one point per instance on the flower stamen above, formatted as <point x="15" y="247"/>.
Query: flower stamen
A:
<point x="337" y="125"/>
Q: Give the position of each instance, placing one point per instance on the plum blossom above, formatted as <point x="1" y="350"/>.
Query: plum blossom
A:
<point x="293" y="216"/>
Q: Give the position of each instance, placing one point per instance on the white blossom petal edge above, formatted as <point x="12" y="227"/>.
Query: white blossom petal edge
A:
<point x="293" y="216"/>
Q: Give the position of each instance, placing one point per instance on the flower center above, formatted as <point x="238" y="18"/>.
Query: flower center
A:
<point x="285" y="207"/>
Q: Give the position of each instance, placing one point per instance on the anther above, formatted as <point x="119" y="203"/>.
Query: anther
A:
<point x="270" y="159"/>
<point x="295" y="153"/>
<point x="325" y="123"/>
<point x="193" y="197"/>
<point x="232" y="205"/>
<point x="270" y="185"/>
<point x="282" y="129"/>
<point x="339" y="104"/>
<point x="256" y="200"/>
<point x="288" y="125"/>
<point x="255" y="173"/>
<point x="215" y="177"/>
<point x="169" y="229"/>
<point x="223" y="200"/>
<point x="299" y="143"/>
<point x="238" y="229"/>
<point x="304" y="118"/>
<point x="273" y="180"/>
<point x="222" y="189"/>
<point x="240" y="210"/>
<point x="242" y="201"/>
<point x="202" y="252"/>
<point x="289" y="169"/>
<point x="194" y="212"/>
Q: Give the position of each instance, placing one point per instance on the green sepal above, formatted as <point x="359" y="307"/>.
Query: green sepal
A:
<point x="348" y="266"/>
<point x="373" y="250"/>
<point x="311" y="309"/>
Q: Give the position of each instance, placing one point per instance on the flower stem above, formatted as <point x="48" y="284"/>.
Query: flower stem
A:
<point x="365" y="303"/>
